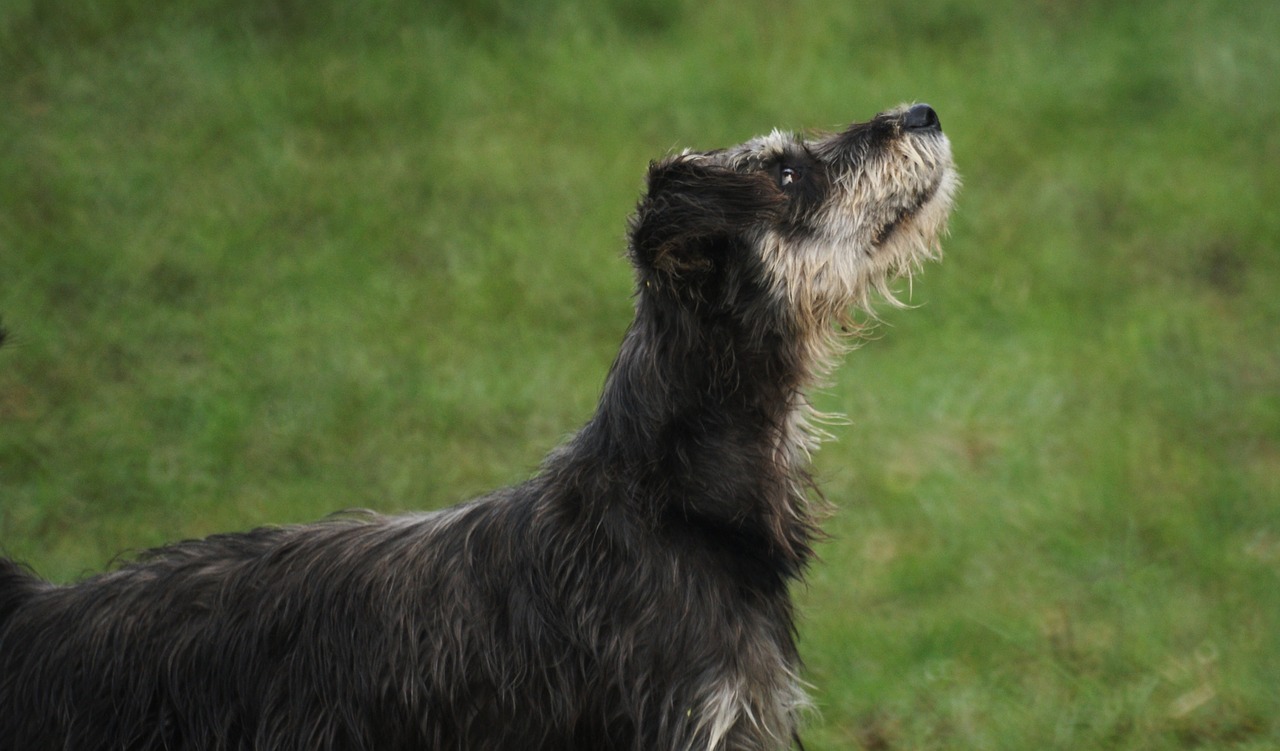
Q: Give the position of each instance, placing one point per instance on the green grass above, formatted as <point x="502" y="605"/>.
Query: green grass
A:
<point x="265" y="260"/>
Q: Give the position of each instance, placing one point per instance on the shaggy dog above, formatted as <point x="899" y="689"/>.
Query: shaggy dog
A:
<point x="633" y="595"/>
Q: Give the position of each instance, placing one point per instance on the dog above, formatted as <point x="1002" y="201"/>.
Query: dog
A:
<point x="634" y="594"/>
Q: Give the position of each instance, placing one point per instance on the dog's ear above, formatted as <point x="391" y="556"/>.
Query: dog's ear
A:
<point x="694" y="210"/>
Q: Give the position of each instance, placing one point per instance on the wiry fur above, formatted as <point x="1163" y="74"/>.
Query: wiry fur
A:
<point x="632" y="595"/>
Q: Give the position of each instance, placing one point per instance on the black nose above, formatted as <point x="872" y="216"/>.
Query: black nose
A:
<point x="921" y="117"/>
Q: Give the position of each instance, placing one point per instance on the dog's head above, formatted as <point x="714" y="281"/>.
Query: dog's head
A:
<point x="815" y="224"/>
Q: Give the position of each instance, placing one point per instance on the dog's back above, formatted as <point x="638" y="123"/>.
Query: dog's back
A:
<point x="290" y="637"/>
<point x="499" y="624"/>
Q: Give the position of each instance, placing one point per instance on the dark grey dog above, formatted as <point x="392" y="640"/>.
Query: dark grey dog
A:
<point x="632" y="595"/>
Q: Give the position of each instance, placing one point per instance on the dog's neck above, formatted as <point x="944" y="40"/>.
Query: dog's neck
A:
<point x="704" y="422"/>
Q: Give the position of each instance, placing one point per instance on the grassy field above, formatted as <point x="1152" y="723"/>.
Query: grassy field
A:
<point x="262" y="260"/>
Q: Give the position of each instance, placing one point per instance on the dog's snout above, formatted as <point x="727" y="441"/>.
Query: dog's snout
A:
<point x="921" y="117"/>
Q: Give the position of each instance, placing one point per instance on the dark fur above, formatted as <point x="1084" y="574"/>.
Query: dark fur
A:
<point x="632" y="595"/>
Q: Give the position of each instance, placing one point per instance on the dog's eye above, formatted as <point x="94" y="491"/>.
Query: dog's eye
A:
<point x="787" y="176"/>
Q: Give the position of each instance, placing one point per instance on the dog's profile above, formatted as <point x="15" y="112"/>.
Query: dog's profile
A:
<point x="634" y="594"/>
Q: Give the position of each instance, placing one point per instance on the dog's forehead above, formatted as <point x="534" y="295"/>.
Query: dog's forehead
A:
<point x="776" y="143"/>
<point x="755" y="152"/>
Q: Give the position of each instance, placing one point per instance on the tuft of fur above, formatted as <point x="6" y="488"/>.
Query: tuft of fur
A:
<point x="17" y="586"/>
<point x="634" y="594"/>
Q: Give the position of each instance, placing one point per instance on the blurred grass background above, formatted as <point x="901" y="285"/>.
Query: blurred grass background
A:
<point x="262" y="260"/>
